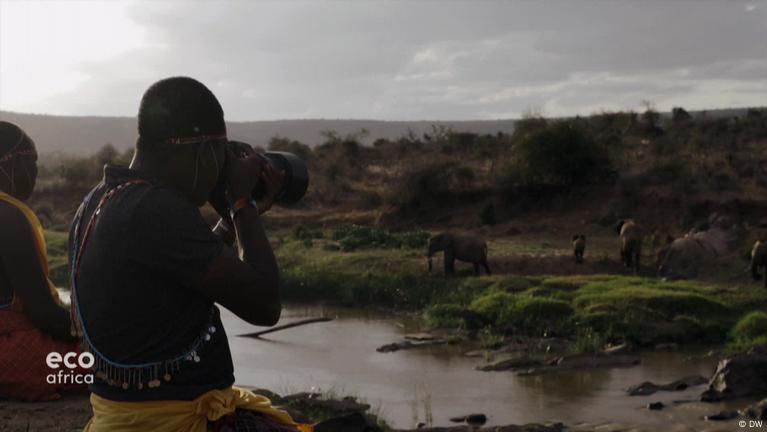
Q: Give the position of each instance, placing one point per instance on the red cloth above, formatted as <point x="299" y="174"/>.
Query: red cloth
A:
<point x="23" y="352"/>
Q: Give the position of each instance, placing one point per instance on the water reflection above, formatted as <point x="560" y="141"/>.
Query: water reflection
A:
<point x="438" y="382"/>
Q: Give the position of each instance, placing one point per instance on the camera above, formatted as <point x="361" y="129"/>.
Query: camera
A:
<point x="296" y="179"/>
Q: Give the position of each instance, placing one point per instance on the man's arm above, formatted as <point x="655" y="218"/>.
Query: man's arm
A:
<point x="21" y="265"/>
<point x="247" y="285"/>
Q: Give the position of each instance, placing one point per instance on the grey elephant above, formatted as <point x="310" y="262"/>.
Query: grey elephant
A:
<point x="631" y="235"/>
<point x="466" y="248"/>
<point x="698" y="251"/>
<point x="579" y="246"/>
<point x="759" y="259"/>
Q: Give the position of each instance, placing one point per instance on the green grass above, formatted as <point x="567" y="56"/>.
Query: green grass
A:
<point x="444" y="315"/>
<point x="748" y="332"/>
<point x="387" y="277"/>
<point x="591" y="309"/>
<point x="57" y="244"/>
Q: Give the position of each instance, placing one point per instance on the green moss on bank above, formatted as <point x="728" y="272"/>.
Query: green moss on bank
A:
<point x="604" y="307"/>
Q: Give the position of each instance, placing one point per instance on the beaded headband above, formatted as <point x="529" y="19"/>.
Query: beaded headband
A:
<point x="9" y="156"/>
<point x="194" y="139"/>
<point x="21" y="152"/>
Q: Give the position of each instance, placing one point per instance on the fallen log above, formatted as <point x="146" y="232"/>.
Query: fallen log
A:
<point x="286" y="326"/>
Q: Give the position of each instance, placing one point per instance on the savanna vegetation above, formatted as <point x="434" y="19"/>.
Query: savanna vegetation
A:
<point x="359" y="235"/>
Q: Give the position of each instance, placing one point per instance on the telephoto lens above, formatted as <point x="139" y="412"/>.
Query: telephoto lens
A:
<point x="296" y="179"/>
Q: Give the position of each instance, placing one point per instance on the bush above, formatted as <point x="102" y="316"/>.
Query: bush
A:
<point x="487" y="215"/>
<point x="353" y="237"/>
<point x="432" y="186"/>
<point x="512" y="284"/>
<point x="493" y="305"/>
<point x="370" y="199"/>
<point x="304" y="233"/>
<point x="561" y="154"/>
<point x="299" y="149"/>
<point x="751" y="326"/>
<point x="444" y="315"/>
<point x="539" y="315"/>
<point x="680" y="115"/>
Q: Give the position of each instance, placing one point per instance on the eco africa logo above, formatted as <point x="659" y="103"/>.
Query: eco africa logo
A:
<point x="71" y="361"/>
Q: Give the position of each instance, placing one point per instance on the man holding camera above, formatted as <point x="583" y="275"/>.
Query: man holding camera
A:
<point x="147" y="272"/>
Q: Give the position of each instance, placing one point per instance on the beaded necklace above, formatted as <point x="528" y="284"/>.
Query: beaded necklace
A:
<point x="114" y="373"/>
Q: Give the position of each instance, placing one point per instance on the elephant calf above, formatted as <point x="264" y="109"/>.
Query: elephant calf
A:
<point x="631" y="235"/>
<point x="759" y="259"/>
<point x="579" y="246"/>
<point x="466" y="248"/>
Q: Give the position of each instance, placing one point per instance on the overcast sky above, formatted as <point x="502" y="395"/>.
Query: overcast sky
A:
<point x="385" y="60"/>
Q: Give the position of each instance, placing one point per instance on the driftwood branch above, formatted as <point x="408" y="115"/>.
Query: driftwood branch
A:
<point x="286" y="326"/>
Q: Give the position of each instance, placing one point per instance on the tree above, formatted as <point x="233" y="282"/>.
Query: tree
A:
<point x="106" y="154"/>
<point x="560" y="154"/>
<point x="680" y="115"/>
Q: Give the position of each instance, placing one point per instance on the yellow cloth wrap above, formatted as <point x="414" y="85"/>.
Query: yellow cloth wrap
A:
<point x="39" y="235"/>
<point x="180" y="416"/>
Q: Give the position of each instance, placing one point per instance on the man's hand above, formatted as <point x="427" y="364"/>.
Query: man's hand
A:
<point x="242" y="175"/>
<point x="272" y="180"/>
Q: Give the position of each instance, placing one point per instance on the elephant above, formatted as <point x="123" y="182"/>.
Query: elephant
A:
<point x="759" y="259"/>
<point x="699" y="251"/>
<point x="631" y="236"/>
<point x="660" y="254"/>
<point x="579" y="246"/>
<point x="466" y="248"/>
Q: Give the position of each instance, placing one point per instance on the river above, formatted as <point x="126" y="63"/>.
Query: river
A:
<point x="436" y="383"/>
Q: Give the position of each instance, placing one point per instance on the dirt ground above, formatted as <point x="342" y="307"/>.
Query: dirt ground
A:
<point x="68" y="414"/>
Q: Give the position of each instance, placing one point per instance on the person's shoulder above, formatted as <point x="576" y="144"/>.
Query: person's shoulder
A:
<point x="153" y="200"/>
<point x="11" y="216"/>
<point x="13" y="223"/>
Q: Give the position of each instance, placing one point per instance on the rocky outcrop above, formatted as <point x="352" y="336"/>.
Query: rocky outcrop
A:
<point x="655" y="406"/>
<point x="405" y="345"/>
<point x="531" y="427"/>
<point x="738" y="376"/>
<point x="584" y="361"/>
<point x="414" y="340"/>
<point x="510" y="364"/>
<point x="722" y="415"/>
<point x="648" y="388"/>
<point x="314" y="401"/>
<point x="355" y="422"/>
<point x="477" y="419"/>
<point x="756" y="411"/>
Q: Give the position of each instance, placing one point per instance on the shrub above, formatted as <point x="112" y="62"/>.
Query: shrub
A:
<point x="299" y="149"/>
<point x="667" y="171"/>
<point x="512" y="284"/>
<point x="751" y="326"/>
<point x="304" y="233"/>
<point x="493" y="305"/>
<point x="370" y="199"/>
<point x="487" y="215"/>
<point x="528" y="125"/>
<point x="430" y="186"/>
<point x="588" y="341"/>
<point x="539" y="315"/>
<point x="560" y="154"/>
<point x="446" y="315"/>
<point x="352" y="237"/>
<point x="680" y="115"/>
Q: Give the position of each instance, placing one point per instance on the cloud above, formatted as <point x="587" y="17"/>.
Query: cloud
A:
<point x="436" y="60"/>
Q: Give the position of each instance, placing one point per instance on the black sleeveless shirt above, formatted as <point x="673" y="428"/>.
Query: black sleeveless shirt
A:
<point x="147" y="248"/>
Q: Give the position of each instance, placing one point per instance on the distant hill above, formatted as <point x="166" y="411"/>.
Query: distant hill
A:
<point x="70" y="135"/>
<point x="84" y="135"/>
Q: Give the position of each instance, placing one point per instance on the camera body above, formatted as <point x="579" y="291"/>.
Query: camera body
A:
<point x="296" y="179"/>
